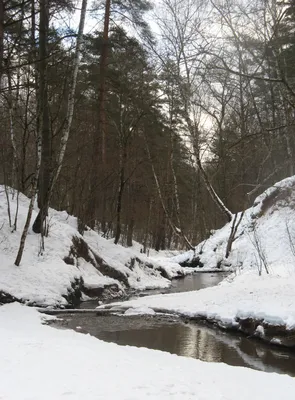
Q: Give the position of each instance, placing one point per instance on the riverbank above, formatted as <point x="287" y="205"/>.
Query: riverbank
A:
<point x="262" y="307"/>
<point x="189" y="339"/>
<point x="259" y="298"/>
<point x="72" y="267"/>
<point x="100" y="370"/>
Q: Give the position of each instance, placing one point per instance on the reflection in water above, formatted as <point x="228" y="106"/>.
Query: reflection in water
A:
<point x="190" y="282"/>
<point x="189" y="340"/>
<point x="195" y="281"/>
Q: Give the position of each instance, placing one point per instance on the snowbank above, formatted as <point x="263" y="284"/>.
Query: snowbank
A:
<point x="139" y="311"/>
<point x="40" y="362"/>
<point x="265" y="237"/>
<point x="93" y="263"/>
<point x="42" y="279"/>
<point x="262" y="306"/>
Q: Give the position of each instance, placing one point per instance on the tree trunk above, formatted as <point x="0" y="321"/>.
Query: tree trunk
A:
<point x="131" y="222"/>
<point x="101" y="126"/>
<point x="47" y="181"/>
<point x="147" y="228"/>
<point x="32" y="201"/>
<point x="120" y="196"/>
<point x="224" y="210"/>
<point x="34" y="184"/>
<point x="130" y="231"/>
<point x="160" y="238"/>
<point x="46" y="149"/>
<point x="71" y="97"/>
<point x="1" y="39"/>
<point x="233" y="231"/>
<point x="29" y="216"/>
<point x="102" y="76"/>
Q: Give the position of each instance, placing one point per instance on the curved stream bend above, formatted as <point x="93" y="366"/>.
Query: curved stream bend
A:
<point x="190" y="340"/>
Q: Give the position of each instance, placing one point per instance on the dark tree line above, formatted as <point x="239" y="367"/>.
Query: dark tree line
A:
<point x="158" y="139"/>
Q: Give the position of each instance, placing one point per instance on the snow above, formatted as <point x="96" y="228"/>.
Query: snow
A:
<point x="45" y="279"/>
<point x="40" y="362"/>
<point x="140" y="276"/>
<point x="90" y="276"/>
<point x="139" y="311"/>
<point x="270" y="299"/>
<point x="263" y="233"/>
<point x="260" y="331"/>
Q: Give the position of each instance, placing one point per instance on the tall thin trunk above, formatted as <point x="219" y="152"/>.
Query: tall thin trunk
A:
<point x="120" y="195"/>
<point x="147" y="227"/>
<point x="287" y="134"/>
<point x="1" y="38"/>
<point x="175" y="186"/>
<point x="46" y="148"/>
<point x="131" y="213"/>
<point x="130" y="230"/>
<point x="219" y="203"/>
<point x="12" y="134"/>
<point x="34" y="183"/>
<point x="32" y="200"/>
<point x="8" y="205"/>
<point x="102" y="77"/>
<point x="101" y="128"/>
<point x="47" y="181"/>
<point x="71" y="97"/>
<point x="29" y="216"/>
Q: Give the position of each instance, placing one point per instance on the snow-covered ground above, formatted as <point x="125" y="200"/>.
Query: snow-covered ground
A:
<point x="40" y="362"/>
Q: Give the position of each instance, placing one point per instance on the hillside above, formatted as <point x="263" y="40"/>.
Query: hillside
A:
<point x="72" y="266"/>
<point x="265" y="238"/>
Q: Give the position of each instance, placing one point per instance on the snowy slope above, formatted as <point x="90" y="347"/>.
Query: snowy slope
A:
<point x="46" y="280"/>
<point x="42" y="279"/>
<point x="266" y="236"/>
<point x="40" y="362"/>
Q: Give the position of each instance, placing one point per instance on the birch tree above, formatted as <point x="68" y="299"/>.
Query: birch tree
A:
<point x="48" y="177"/>
<point x="43" y="132"/>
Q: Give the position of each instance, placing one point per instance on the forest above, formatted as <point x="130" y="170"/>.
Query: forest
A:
<point x="147" y="197"/>
<point x="154" y="121"/>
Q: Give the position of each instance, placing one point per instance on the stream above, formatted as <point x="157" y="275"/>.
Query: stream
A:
<point x="173" y="335"/>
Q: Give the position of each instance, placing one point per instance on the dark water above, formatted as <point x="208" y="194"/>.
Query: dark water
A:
<point x="190" y="282"/>
<point x="191" y="340"/>
<point x="187" y="284"/>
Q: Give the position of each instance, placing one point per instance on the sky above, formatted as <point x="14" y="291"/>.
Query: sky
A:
<point x="94" y="19"/>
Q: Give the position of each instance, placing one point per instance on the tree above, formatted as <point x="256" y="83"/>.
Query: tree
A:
<point x="46" y="178"/>
<point x="131" y="12"/>
<point x="181" y="36"/>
